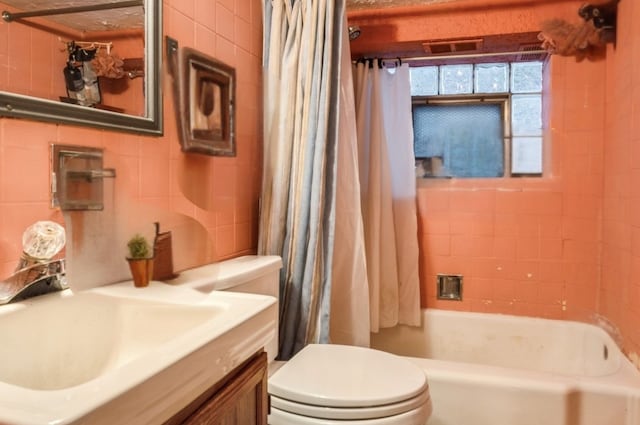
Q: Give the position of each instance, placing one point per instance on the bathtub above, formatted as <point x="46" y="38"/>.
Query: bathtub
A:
<point x="489" y="369"/>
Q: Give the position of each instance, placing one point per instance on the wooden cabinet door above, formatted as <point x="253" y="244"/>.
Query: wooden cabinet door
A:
<point x="242" y="401"/>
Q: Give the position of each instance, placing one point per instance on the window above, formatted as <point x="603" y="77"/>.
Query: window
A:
<point x="478" y="120"/>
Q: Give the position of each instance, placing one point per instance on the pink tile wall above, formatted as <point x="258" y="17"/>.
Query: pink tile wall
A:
<point x="526" y="246"/>
<point x="619" y="295"/>
<point x="221" y="194"/>
<point x="518" y="244"/>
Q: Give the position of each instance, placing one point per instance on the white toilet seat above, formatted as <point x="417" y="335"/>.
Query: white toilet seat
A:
<point x="413" y="417"/>
<point x="350" y="413"/>
<point x="331" y="384"/>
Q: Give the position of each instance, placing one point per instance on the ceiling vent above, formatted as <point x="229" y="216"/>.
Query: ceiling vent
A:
<point x="452" y="46"/>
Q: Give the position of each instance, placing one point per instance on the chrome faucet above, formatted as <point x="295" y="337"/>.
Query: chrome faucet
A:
<point x="34" y="278"/>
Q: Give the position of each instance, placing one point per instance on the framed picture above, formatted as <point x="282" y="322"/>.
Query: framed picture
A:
<point x="206" y="97"/>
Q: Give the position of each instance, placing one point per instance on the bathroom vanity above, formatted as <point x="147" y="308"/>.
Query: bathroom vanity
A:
<point x="240" y="398"/>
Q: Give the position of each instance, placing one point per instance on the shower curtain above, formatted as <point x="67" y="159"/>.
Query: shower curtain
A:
<point x="301" y="55"/>
<point x="350" y="289"/>
<point x="388" y="192"/>
<point x="361" y="270"/>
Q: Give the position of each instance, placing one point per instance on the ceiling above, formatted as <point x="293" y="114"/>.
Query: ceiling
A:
<point x="104" y="20"/>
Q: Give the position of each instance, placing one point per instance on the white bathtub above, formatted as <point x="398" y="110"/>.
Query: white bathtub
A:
<point x="488" y="369"/>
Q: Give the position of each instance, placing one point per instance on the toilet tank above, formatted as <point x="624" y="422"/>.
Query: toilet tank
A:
<point x="255" y="274"/>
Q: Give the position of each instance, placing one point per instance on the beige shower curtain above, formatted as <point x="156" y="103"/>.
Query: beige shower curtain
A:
<point x="388" y="193"/>
<point x="350" y="290"/>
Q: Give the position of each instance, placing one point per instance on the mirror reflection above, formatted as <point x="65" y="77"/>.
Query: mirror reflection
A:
<point x="87" y="62"/>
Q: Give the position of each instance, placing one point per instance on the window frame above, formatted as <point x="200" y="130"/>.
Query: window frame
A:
<point x="502" y="99"/>
<point x="505" y="98"/>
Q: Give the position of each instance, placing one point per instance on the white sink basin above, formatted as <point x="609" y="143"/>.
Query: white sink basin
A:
<point x="63" y="342"/>
<point x="118" y="352"/>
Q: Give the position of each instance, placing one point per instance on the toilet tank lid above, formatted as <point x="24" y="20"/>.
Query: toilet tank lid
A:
<point x="334" y="375"/>
<point x="228" y="273"/>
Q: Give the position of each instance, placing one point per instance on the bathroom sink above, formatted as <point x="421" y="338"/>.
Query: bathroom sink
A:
<point x="62" y="342"/>
<point x="102" y="355"/>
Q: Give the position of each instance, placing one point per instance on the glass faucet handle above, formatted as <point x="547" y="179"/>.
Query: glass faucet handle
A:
<point x="43" y="239"/>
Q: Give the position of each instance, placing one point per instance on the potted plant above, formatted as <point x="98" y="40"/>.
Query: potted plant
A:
<point x="140" y="260"/>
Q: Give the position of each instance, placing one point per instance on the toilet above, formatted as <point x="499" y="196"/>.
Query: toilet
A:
<point x="334" y="384"/>
<point x="326" y="384"/>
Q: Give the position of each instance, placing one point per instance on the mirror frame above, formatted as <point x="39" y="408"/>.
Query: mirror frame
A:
<point x="22" y="106"/>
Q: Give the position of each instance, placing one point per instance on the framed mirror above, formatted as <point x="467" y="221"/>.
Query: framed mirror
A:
<point x="93" y="63"/>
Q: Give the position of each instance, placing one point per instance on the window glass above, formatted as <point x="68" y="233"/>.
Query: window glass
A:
<point x="459" y="140"/>
<point x="491" y="78"/>
<point x="424" y="81"/>
<point x="526" y="77"/>
<point x="526" y="155"/>
<point x="456" y="79"/>
<point x="526" y="115"/>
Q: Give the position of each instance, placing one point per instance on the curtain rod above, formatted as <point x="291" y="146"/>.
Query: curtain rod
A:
<point x="472" y="55"/>
<point x="8" y="16"/>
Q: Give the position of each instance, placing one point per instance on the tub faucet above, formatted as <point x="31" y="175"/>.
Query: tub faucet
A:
<point x="35" y="278"/>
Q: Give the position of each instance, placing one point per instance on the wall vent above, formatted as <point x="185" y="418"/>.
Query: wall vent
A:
<point x="452" y="46"/>
<point x="526" y="56"/>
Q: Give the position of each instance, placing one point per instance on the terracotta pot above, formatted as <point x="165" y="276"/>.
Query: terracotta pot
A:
<point x="141" y="270"/>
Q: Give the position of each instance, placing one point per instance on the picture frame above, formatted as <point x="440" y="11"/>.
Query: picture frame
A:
<point x="204" y="89"/>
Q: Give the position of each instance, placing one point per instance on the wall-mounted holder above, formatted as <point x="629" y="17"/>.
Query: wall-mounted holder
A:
<point x="77" y="177"/>
<point x="449" y="287"/>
